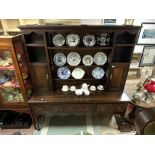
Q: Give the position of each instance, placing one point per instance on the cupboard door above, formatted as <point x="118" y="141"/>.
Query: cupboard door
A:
<point x="39" y="75"/>
<point x="118" y="77"/>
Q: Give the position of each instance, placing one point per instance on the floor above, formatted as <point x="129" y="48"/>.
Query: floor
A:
<point x="77" y="125"/>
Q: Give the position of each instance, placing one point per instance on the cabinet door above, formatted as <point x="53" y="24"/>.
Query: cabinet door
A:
<point x="39" y="75"/>
<point x="118" y="77"/>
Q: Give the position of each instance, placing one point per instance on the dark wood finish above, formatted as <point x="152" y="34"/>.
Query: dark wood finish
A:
<point x="40" y="76"/>
<point x="118" y="76"/>
<point x="119" y="53"/>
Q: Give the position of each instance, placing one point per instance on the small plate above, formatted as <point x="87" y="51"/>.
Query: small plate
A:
<point x="98" y="73"/>
<point x="73" y="58"/>
<point x="87" y="60"/>
<point x="63" y="72"/>
<point x="58" y="40"/>
<point x="89" y="40"/>
<point x="100" y="58"/>
<point x="59" y="59"/>
<point x="72" y="40"/>
<point x="103" y="39"/>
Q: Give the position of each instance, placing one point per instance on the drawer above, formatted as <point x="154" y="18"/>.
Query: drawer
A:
<point x="79" y="108"/>
<point x="111" y="107"/>
<point x="46" y="108"/>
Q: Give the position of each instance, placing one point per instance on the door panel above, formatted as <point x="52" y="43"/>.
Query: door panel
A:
<point x="39" y="75"/>
<point x="118" y="76"/>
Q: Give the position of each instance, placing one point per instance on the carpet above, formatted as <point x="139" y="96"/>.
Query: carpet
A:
<point x="79" y="125"/>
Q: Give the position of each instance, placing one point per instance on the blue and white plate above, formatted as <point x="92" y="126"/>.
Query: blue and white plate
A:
<point x="98" y="73"/>
<point x="100" y="58"/>
<point x="58" y="40"/>
<point x="3" y="79"/>
<point x="59" y="59"/>
<point x="63" y="72"/>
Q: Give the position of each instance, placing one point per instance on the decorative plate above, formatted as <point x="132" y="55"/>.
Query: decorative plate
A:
<point x="73" y="58"/>
<point x="59" y="59"/>
<point x="3" y="78"/>
<point x="89" y="40"/>
<point x="100" y="58"/>
<point x="98" y="73"/>
<point x="72" y="40"/>
<point x="78" y="73"/>
<point x="58" y="40"/>
<point x="87" y="60"/>
<point x="103" y="39"/>
<point x="63" y="72"/>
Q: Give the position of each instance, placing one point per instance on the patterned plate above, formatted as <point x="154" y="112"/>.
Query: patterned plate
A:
<point x="58" y="40"/>
<point x="72" y="40"/>
<point x="89" y="40"/>
<point x="87" y="60"/>
<point x="63" y="72"/>
<point x="59" y="59"/>
<point x="98" y="73"/>
<point x="73" y="58"/>
<point x="103" y="39"/>
<point x="100" y="58"/>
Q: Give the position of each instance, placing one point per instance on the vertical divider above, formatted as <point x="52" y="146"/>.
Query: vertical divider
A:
<point x="51" y="87"/>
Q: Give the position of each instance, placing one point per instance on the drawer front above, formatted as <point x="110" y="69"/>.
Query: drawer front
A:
<point x="79" y="108"/>
<point x="111" y="107"/>
<point x="46" y="108"/>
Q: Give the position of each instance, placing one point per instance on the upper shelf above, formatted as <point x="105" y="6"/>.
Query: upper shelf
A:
<point x="78" y="47"/>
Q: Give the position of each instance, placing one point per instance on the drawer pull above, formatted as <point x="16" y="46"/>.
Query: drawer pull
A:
<point x="41" y="99"/>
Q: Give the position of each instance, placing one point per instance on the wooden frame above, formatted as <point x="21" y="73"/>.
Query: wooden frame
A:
<point x="146" y="72"/>
<point x="148" y="56"/>
<point x="147" y="34"/>
<point x="134" y="73"/>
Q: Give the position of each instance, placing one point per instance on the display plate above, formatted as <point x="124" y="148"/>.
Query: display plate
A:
<point x="87" y="60"/>
<point x="58" y="40"/>
<point x="73" y="59"/>
<point x="89" y="40"/>
<point x="98" y="73"/>
<point x="59" y="59"/>
<point x="72" y="40"/>
<point x="63" y="72"/>
<point x="100" y="58"/>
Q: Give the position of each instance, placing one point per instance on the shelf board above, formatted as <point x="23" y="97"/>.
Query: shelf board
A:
<point x="80" y="48"/>
<point x="7" y="68"/>
<point x="35" y="45"/>
<point x="84" y="79"/>
<point x="38" y="63"/>
<point x="10" y="86"/>
<point x="80" y="66"/>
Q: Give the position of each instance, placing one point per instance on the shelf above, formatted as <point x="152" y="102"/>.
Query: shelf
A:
<point x="80" y="48"/>
<point x="7" y="68"/>
<point x="14" y="85"/>
<point x="84" y="79"/>
<point x="81" y="66"/>
<point x="35" y="45"/>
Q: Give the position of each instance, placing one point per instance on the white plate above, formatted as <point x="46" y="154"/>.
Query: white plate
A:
<point x="78" y="73"/>
<point x="103" y="39"/>
<point x="72" y="40"/>
<point x="73" y="58"/>
<point x="100" y="58"/>
<point x="98" y="73"/>
<point x="63" y="72"/>
<point x="59" y="59"/>
<point x="58" y="40"/>
<point x="89" y="40"/>
<point x="87" y="60"/>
